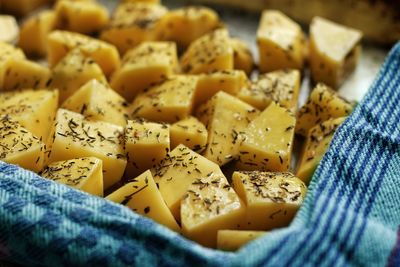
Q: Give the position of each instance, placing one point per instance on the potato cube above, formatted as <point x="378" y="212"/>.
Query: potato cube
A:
<point x="142" y="196"/>
<point x="21" y="7"/>
<point x="268" y="141"/>
<point x="146" y="65"/>
<point x="73" y="137"/>
<point x="242" y="56"/>
<point x="189" y="132"/>
<point x="226" y="117"/>
<point x="9" y="51"/>
<point x="85" y="174"/>
<point x="170" y="101"/>
<point x="281" y="42"/>
<point x="272" y="199"/>
<point x="232" y="240"/>
<point x="211" y="52"/>
<point x="9" y="29"/>
<point x="98" y="102"/>
<point x="334" y="51"/>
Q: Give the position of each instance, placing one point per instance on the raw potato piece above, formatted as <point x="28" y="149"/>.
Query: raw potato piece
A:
<point x="211" y="52"/>
<point x="82" y="173"/>
<point x="146" y="144"/>
<point x="146" y="65"/>
<point x="272" y="199"/>
<point x="242" y="56"/>
<point x="281" y="42"/>
<point x="322" y="104"/>
<point x="18" y="146"/>
<point x="189" y="132"/>
<point x="170" y="101"/>
<point x="177" y="172"/>
<point x="269" y="141"/>
<point x="226" y="117"/>
<point x="21" y="7"/>
<point x="75" y="137"/>
<point x="334" y="51"/>
<point x="9" y="28"/>
<point x="318" y="140"/>
<point x="232" y="240"/>
<point x="209" y="205"/>
<point x="98" y="102"/>
<point x="142" y="196"/>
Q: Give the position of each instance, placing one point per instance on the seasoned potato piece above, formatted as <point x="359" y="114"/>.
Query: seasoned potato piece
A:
<point x="170" y="101"/>
<point x="226" y="117"/>
<point x="189" y="132"/>
<point x="211" y="52"/>
<point x="234" y="239"/>
<point x="272" y="198"/>
<point x="18" y="146"/>
<point x="21" y="7"/>
<point x="281" y="86"/>
<point x="142" y="196"/>
<point x="61" y="42"/>
<point x="9" y="28"/>
<point x="73" y="136"/>
<point x="281" y="42"/>
<point x="143" y="1"/>
<point x="334" y="51"/>
<point x="268" y="141"/>
<point x="85" y="174"/>
<point x="8" y="51"/>
<point x="322" y="104"/>
<point x="242" y="56"/>
<point x="132" y="24"/>
<point x="146" y="65"/>
<point x="209" y="205"/>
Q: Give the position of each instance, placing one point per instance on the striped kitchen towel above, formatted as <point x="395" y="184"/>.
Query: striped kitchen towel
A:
<point x="351" y="215"/>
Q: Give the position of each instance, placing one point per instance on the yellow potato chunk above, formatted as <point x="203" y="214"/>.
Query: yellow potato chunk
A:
<point x="146" y="144"/>
<point x="35" y="110"/>
<point x="317" y="143"/>
<point x="232" y="240"/>
<point x="143" y="1"/>
<point x="73" y="137"/>
<point x="281" y="42"/>
<point x="98" y="102"/>
<point x="18" y="146"/>
<point x="322" y="104"/>
<point x="142" y="196"/>
<point x="211" y="52"/>
<point x="146" y="65"/>
<point x="7" y="53"/>
<point x="242" y="56"/>
<point x="170" y="101"/>
<point x="176" y="173"/>
<point x="9" y="28"/>
<point x="209" y="205"/>
<point x="189" y="132"/>
<point x="21" y="7"/>
<point x="281" y="86"/>
<point x="334" y="51"/>
<point x="268" y="141"/>
<point x="61" y="42"/>
<point x="132" y="24"/>
<point x="226" y="117"/>
<point x="272" y="199"/>
<point x="82" y="173"/>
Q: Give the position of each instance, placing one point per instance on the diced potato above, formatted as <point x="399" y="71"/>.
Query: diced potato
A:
<point x="35" y="110"/>
<point x="322" y="104"/>
<point x="143" y="1"/>
<point x="21" y="7"/>
<point x="211" y="52"/>
<point x="146" y="144"/>
<point x="146" y="65"/>
<point x="272" y="199"/>
<point x="61" y="42"/>
<point x="281" y="86"/>
<point x="9" y="28"/>
<point x="39" y="26"/>
<point x="209" y="205"/>
<point x="9" y="51"/>
<point x="234" y="239"/>
<point x="334" y="51"/>
<point x="18" y="146"/>
<point x="189" y="132"/>
<point x="142" y="196"/>
<point x="317" y="142"/>
<point x="177" y="172"/>
<point x="281" y="42"/>
<point x="170" y="101"/>
<point x="226" y="117"/>
<point x="98" y="102"/>
<point x="81" y="16"/>
<point x="82" y="173"/>
<point x="73" y="71"/>
<point x="268" y="141"/>
<point x="242" y="56"/>
<point x="132" y="24"/>
<point x="73" y="137"/>
<point x="186" y="24"/>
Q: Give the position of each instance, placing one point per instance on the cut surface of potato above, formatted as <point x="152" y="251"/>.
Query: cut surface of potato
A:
<point x="9" y="29"/>
<point x="189" y="132"/>
<point x="231" y="240"/>
<point x="242" y="56"/>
